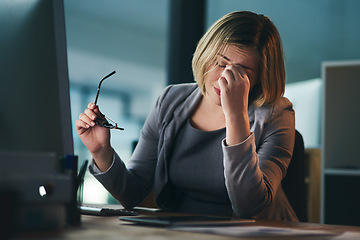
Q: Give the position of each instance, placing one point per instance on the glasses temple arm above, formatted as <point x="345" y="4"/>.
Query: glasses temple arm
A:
<point x="97" y="95"/>
<point x="98" y="89"/>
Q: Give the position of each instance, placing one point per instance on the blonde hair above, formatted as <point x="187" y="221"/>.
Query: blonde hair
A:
<point x="248" y="31"/>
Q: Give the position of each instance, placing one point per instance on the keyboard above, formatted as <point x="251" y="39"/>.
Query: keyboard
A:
<point x="101" y="211"/>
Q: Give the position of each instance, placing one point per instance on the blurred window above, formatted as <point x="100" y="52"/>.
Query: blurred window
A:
<point x="126" y="36"/>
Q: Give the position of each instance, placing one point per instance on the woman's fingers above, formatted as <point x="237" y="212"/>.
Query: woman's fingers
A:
<point x="95" y="109"/>
<point x="234" y="85"/>
<point x="234" y="73"/>
<point x="91" y="105"/>
<point x="228" y="75"/>
<point x="222" y="82"/>
<point x="86" y="119"/>
<point x="81" y="126"/>
<point x="90" y="113"/>
<point x="241" y="71"/>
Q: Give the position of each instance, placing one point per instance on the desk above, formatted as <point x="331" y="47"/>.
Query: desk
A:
<point x="110" y="227"/>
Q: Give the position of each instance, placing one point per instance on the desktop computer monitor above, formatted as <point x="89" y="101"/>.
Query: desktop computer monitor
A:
<point x="35" y="118"/>
<point x="35" y="103"/>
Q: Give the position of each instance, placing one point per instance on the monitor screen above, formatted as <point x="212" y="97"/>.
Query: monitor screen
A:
<point x="34" y="93"/>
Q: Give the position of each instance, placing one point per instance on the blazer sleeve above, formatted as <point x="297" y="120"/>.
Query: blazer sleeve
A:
<point x="254" y="168"/>
<point x="131" y="184"/>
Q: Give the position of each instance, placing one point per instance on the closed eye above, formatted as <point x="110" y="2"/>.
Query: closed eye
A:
<point x="222" y="66"/>
<point x="222" y="61"/>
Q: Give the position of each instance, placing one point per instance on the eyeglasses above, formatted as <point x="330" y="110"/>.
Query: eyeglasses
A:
<point x="105" y="121"/>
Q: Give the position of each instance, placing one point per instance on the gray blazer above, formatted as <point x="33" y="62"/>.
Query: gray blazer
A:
<point x="253" y="169"/>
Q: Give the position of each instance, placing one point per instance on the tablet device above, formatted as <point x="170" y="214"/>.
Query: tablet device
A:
<point x="175" y="221"/>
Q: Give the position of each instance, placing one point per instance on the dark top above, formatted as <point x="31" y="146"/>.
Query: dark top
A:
<point x="197" y="171"/>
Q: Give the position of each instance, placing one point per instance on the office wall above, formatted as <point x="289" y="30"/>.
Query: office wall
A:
<point x="312" y="31"/>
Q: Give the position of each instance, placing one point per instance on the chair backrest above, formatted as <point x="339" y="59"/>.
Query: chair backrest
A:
<point x="294" y="181"/>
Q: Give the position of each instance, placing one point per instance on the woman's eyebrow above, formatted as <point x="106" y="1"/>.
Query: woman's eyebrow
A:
<point x="225" y="57"/>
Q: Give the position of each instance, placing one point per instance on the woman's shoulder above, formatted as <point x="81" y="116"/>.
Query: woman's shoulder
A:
<point x="178" y="97"/>
<point x="282" y="106"/>
<point x="182" y="89"/>
<point x="176" y="93"/>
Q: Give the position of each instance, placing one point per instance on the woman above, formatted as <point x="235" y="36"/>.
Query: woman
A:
<point x="221" y="146"/>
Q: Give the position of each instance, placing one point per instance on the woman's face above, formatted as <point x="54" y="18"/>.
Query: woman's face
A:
<point x="245" y="59"/>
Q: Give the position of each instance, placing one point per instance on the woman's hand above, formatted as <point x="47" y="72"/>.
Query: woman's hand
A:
<point x="95" y="137"/>
<point x="235" y="87"/>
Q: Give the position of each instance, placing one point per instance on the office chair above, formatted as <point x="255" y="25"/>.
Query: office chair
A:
<point x="294" y="181"/>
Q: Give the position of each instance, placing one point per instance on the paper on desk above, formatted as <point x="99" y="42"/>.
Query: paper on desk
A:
<point x="256" y="231"/>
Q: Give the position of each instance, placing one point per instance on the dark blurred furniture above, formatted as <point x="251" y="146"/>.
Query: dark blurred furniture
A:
<point x="294" y="181"/>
